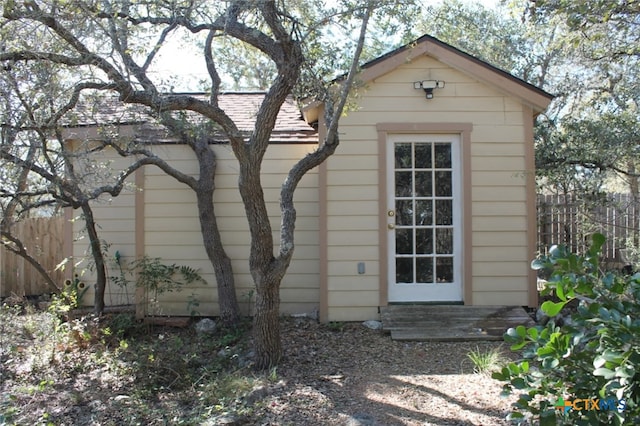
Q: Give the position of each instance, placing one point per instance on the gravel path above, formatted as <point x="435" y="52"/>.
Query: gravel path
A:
<point x="350" y="375"/>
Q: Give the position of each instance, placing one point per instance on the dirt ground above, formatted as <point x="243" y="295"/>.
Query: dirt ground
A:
<point x="355" y="376"/>
<point x="115" y="372"/>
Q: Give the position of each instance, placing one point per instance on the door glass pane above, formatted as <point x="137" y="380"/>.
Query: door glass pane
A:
<point x="423" y="184"/>
<point x="443" y="184"/>
<point x="423" y="156"/>
<point x="404" y="270"/>
<point x="424" y="269"/>
<point x="444" y="212"/>
<point x="444" y="269"/>
<point x="404" y="212"/>
<point x="403" y="184"/>
<point x="444" y="240"/>
<point x="424" y="212"/>
<point x="404" y="241"/>
<point x="443" y="155"/>
<point x="403" y="155"/>
<point x="424" y="241"/>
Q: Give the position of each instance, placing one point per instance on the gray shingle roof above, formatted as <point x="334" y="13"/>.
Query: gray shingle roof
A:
<point x="241" y="107"/>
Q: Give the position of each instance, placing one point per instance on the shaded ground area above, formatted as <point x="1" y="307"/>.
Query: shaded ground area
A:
<point x="117" y="372"/>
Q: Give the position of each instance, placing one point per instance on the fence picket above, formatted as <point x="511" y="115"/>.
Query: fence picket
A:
<point x="43" y="237"/>
<point x="565" y="220"/>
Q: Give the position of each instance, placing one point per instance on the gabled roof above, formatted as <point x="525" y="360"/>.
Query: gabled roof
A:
<point x="241" y="107"/>
<point x="537" y="98"/>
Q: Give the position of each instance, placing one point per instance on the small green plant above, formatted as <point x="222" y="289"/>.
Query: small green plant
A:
<point x="594" y="357"/>
<point x="336" y="326"/>
<point x="120" y="280"/>
<point x="70" y="297"/>
<point x="273" y="375"/>
<point x="157" y="278"/>
<point x="193" y="302"/>
<point x="486" y="361"/>
<point x="121" y="324"/>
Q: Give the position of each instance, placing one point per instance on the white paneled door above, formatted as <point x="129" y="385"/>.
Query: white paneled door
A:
<point x="424" y="218"/>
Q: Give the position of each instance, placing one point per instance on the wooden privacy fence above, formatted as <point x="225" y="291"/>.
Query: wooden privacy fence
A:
<point x="563" y="219"/>
<point x="43" y="237"/>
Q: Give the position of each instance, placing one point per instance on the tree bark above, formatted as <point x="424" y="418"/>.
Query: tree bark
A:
<point x="98" y="258"/>
<point x="227" y="300"/>
<point x="266" y="324"/>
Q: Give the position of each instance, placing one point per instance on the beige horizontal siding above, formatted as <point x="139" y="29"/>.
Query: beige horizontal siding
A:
<point x="353" y="238"/>
<point x="365" y="161"/>
<point x="500" y="269"/>
<point x="172" y="228"/>
<point x="353" y="298"/>
<point x="508" y="133"/>
<point x="498" y="193"/>
<point x="499" y="254"/>
<point x="497" y="149"/>
<point x="356" y="208"/>
<point x="493" y="208"/>
<point x="354" y="282"/>
<point x="491" y="239"/>
<point x="347" y="177"/>
<point x="498" y="223"/>
<point x="499" y="163"/>
<point x="498" y="178"/>
<point x="353" y="313"/>
<point x="367" y="252"/>
<point x="348" y="268"/>
<point x="347" y="194"/>
<point x="352" y="223"/>
<point x="500" y="284"/>
<point x="507" y="298"/>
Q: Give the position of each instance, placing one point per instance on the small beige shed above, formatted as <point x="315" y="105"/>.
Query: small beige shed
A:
<point x="430" y="197"/>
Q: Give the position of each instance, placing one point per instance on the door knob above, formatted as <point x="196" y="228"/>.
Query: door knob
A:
<point x="391" y="226"/>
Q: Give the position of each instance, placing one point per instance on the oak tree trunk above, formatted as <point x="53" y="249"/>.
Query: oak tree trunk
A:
<point x="204" y="189"/>
<point x="98" y="258"/>
<point x="227" y="300"/>
<point x="266" y="325"/>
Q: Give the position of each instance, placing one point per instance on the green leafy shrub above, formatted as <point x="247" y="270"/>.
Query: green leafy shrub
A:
<point x="585" y="370"/>
<point x="157" y="278"/>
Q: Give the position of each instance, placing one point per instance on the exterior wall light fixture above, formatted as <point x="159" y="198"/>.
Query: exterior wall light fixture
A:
<point x="428" y="86"/>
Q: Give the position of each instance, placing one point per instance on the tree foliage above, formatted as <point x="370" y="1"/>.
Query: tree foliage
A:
<point x="591" y="139"/>
<point x="595" y="355"/>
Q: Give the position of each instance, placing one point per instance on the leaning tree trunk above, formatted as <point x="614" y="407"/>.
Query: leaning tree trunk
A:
<point x="227" y="299"/>
<point x="205" y="186"/>
<point x="98" y="258"/>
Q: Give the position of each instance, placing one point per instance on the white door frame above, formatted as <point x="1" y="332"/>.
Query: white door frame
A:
<point x="432" y="291"/>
